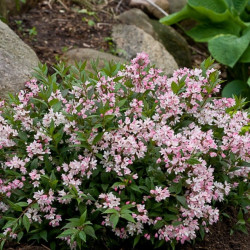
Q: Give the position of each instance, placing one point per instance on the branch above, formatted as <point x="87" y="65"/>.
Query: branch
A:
<point x="157" y="7"/>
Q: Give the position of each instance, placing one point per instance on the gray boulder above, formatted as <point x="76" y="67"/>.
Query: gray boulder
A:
<point x="174" y="43"/>
<point x="133" y="40"/>
<point x="82" y="54"/>
<point x="176" y="5"/>
<point x="149" y="8"/>
<point x="17" y="61"/>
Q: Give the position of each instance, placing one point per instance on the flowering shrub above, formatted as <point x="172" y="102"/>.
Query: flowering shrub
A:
<point x="127" y="152"/>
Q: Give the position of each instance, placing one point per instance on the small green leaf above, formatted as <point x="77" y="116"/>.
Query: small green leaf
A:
<point x="202" y="232"/>
<point x="43" y="235"/>
<point x="193" y="161"/>
<point x="98" y="138"/>
<point x="174" y="87"/>
<point x="128" y="217"/>
<point x="26" y="223"/>
<point x="15" y="206"/>
<point x="114" y="218"/>
<point x="83" y="217"/>
<point x="136" y="240"/>
<point x="89" y="230"/>
<point x="67" y="232"/>
<point x="111" y="211"/>
<point x="82" y="236"/>
<point x="182" y="200"/>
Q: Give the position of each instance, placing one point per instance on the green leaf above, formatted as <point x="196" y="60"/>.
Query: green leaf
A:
<point x="128" y="217"/>
<point x="174" y="87"/>
<point x="22" y="204"/>
<point x="206" y="31"/>
<point x="23" y="136"/>
<point x="235" y="87"/>
<point x="170" y="217"/>
<point x="111" y="211"/>
<point x="218" y="6"/>
<point x="26" y="223"/>
<point x="182" y="200"/>
<point x="67" y="232"/>
<point x="56" y="107"/>
<point x="215" y="10"/>
<point x="98" y="138"/>
<point x="15" y="206"/>
<point x="228" y="49"/>
<point x="82" y="236"/>
<point x="114" y="218"/>
<point x="135" y="188"/>
<point x="83" y="217"/>
<point x="193" y="161"/>
<point x="2" y="244"/>
<point x="159" y="224"/>
<point x="121" y="103"/>
<point x="245" y="58"/>
<point x="136" y="240"/>
<point x="44" y="235"/>
<point x="186" y="12"/>
<point x="239" y="5"/>
<point x="90" y="231"/>
<point x="202" y="232"/>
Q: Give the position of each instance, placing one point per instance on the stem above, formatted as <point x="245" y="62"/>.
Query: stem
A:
<point x="157" y="7"/>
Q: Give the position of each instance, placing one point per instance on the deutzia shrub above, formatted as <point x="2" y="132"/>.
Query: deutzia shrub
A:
<point x="125" y="153"/>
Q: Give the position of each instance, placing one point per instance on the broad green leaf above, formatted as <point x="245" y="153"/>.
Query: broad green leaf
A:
<point x="26" y="223"/>
<point x="228" y="49"/>
<point x="186" y="12"/>
<point x="235" y="87"/>
<point x="218" y="6"/>
<point x="215" y="10"/>
<point x="245" y="58"/>
<point x="206" y="31"/>
<point x="239" y="5"/>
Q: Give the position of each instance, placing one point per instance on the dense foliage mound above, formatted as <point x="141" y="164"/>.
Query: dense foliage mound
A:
<point x="124" y="153"/>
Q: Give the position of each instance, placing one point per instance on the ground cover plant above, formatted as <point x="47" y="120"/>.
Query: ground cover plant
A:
<point x="225" y="26"/>
<point x="124" y="154"/>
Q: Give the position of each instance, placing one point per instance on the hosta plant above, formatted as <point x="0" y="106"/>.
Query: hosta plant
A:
<point x="125" y="155"/>
<point x="225" y="26"/>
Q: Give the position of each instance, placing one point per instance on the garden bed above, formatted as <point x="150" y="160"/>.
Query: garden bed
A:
<point x="59" y="28"/>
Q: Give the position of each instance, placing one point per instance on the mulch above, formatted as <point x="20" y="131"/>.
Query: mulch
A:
<point x="61" y="27"/>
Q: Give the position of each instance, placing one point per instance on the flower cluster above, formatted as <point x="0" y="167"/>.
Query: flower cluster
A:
<point x="129" y="149"/>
